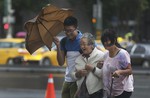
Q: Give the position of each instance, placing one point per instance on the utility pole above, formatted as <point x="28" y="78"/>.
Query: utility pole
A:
<point x="8" y="18"/>
<point x="97" y="15"/>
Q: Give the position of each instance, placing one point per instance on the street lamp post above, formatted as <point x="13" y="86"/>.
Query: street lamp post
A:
<point x="97" y="15"/>
<point x="8" y="17"/>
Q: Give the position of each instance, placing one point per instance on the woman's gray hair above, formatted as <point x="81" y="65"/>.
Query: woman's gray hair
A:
<point x="90" y="38"/>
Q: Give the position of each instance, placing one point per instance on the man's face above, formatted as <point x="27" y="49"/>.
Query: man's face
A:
<point x="70" y="32"/>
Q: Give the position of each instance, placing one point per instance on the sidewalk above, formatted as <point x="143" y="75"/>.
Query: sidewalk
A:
<point x="25" y="93"/>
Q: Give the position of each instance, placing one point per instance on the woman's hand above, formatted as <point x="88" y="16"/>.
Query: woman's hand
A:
<point x="116" y="73"/>
<point x="89" y="67"/>
<point x="81" y="73"/>
<point x="100" y="64"/>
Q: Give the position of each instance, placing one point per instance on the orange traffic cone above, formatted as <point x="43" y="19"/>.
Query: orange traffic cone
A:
<point x="50" y="91"/>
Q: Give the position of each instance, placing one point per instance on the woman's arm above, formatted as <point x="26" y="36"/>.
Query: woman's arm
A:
<point x="95" y="70"/>
<point x="125" y="72"/>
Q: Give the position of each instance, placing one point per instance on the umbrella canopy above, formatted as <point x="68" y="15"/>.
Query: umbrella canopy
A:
<point x="47" y="24"/>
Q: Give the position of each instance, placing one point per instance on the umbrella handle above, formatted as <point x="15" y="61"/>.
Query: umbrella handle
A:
<point x="45" y="27"/>
<point x="112" y="80"/>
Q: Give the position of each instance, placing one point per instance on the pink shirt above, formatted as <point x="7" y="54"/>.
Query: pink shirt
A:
<point x="123" y="83"/>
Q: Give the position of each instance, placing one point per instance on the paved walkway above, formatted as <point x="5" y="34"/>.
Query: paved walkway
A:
<point x="24" y="93"/>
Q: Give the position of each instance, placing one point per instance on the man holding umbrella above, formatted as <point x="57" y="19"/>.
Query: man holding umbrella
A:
<point x="69" y="48"/>
<point x="41" y="31"/>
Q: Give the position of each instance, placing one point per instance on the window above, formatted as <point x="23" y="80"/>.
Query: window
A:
<point x="11" y="45"/>
<point x="129" y="48"/>
<point x="5" y="45"/>
<point x="139" y="50"/>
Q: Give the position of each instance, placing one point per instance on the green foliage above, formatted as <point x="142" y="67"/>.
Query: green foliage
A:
<point x="30" y="5"/>
<point x="119" y="11"/>
<point x="86" y="4"/>
<point x="144" y="4"/>
<point x="25" y="5"/>
<point x="1" y="6"/>
<point x="123" y="10"/>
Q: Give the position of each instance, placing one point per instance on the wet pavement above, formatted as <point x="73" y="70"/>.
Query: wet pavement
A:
<point x="32" y="84"/>
<point x="25" y="93"/>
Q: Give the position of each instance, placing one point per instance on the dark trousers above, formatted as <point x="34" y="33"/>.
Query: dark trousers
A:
<point x="98" y="94"/>
<point x="125" y="94"/>
<point x="69" y="89"/>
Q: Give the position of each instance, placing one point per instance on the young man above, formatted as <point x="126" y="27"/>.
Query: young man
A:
<point x="69" y="48"/>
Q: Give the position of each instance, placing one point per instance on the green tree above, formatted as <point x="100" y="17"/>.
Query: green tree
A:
<point x="120" y="11"/>
<point x="23" y="7"/>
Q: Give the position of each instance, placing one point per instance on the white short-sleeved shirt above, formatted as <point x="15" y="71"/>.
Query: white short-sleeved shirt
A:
<point x="123" y="83"/>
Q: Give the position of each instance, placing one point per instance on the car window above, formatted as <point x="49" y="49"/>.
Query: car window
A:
<point x="17" y="45"/>
<point x="10" y="45"/>
<point x="21" y="45"/>
<point x="129" y="48"/>
<point x="139" y="50"/>
<point x="5" y="45"/>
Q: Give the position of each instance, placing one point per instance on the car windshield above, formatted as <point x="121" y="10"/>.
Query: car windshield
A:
<point x="11" y="45"/>
<point x="53" y="47"/>
<point x="129" y="48"/>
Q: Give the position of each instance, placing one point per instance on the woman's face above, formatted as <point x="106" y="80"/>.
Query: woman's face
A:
<point x="86" y="48"/>
<point x="108" y="45"/>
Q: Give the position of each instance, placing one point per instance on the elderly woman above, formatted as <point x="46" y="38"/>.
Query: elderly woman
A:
<point x="117" y="70"/>
<point x="86" y="72"/>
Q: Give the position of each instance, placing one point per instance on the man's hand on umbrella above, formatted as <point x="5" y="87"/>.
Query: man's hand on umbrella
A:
<point x="56" y="41"/>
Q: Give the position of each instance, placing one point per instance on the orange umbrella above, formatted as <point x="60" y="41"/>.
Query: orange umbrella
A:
<point x="47" y="24"/>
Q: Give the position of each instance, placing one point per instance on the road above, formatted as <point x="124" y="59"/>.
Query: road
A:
<point x="24" y="93"/>
<point x="142" y="90"/>
<point x="142" y="86"/>
<point x="33" y="84"/>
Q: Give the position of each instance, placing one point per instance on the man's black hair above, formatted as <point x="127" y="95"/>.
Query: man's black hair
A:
<point x="69" y="21"/>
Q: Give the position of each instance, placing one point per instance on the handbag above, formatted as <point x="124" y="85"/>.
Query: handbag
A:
<point x="82" y="92"/>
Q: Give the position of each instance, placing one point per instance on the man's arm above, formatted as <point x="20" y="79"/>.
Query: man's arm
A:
<point x="60" y="56"/>
<point x="60" y="53"/>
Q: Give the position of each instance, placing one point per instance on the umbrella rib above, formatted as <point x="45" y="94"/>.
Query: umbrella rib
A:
<point x="45" y="27"/>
